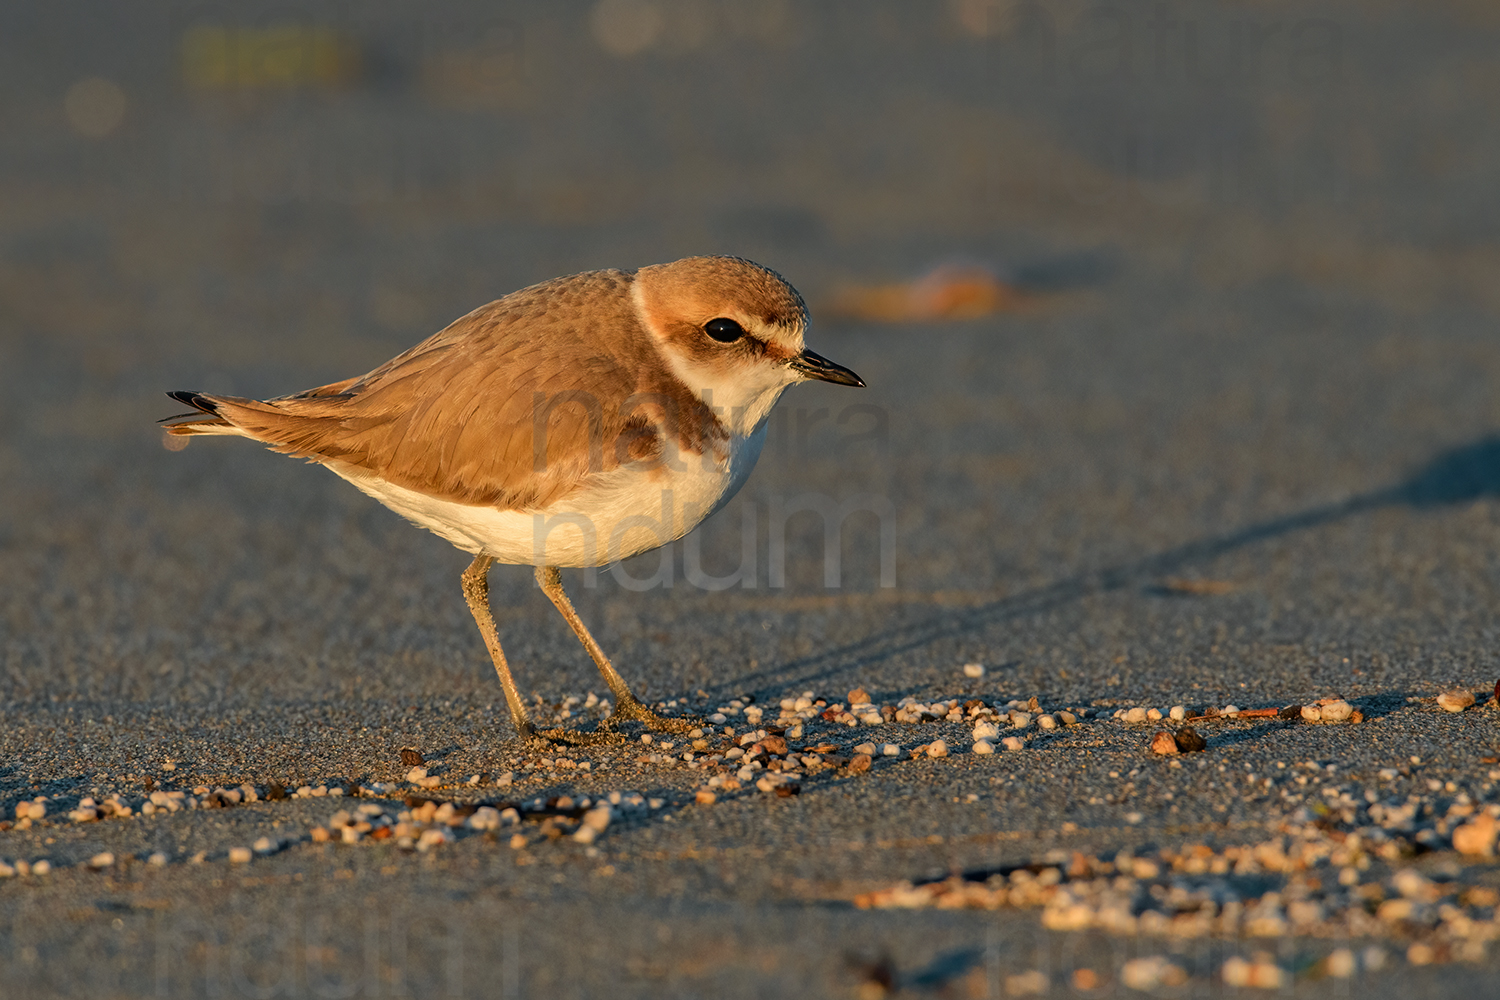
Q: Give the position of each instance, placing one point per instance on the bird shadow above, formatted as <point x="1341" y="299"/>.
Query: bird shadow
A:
<point x="1459" y="475"/>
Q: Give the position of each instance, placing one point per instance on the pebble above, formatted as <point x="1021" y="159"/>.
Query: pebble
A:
<point x="1153" y="714"/>
<point x="598" y="818"/>
<point x="1135" y="715"/>
<point x="157" y="859"/>
<point x="1046" y="722"/>
<point x="1456" y="700"/>
<point x="973" y="670"/>
<point x="1013" y="743"/>
<point x="1190" y="741"/>
<point x="1163" y="743"/>
<point x="704" y="797"/>
<point x="1477" y="836"/>
<point x="1029" y="983"/>
<point x="1340" y="963"/>
<point x="1231" y="710"/>
<point x="1150" y="972"/>
<point x="984" y="747"/>
<point x="937" y="748"/>
<point x="865" y="748"/>
<point x="104" y="859"/>
<point x="434" y="837"/>
<point x="1262" y="973"/>
<point x="986" y="731"/>
<point x="1177" y="713"/>
<point x="859" y="696"/>
<point x="890" y="750"/>
<point x="41" y="867"/>
<point x="1312" y="713"/>
<point x="1020" y="720"/>
<point x="1337" y="711"/>
<point x="239" y="855"/>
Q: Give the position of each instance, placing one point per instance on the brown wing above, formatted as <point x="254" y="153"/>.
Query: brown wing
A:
<point x="487" y="411"/>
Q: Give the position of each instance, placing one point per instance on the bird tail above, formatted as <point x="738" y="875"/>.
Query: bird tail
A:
<point x="185" y="425"/>
<point x="283" y="422"/>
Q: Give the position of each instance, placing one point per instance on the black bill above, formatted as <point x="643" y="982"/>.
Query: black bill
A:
<point x="816" y="366"/>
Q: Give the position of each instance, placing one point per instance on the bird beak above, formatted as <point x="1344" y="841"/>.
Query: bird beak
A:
<point x="816" y="366"/>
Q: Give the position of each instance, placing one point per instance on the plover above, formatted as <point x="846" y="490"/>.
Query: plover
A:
<point x="573" y="423"/>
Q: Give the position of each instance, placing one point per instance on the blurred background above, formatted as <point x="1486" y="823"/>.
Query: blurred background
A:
<point x="1123" y="278"/>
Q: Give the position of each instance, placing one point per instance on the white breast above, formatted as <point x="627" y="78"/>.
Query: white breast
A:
<point x="611" y="516"/>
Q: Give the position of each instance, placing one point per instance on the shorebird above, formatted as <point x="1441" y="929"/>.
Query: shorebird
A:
<point x="572" y="423"/>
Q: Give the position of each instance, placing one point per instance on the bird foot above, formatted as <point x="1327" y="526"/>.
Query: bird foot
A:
<point x="548" y="738"/>
<point x="634" y="711"/>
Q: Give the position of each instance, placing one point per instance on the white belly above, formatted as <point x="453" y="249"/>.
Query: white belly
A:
<point x="612" y="516"/>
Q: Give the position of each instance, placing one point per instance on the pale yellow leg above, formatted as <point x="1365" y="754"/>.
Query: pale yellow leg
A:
<point x="626" y="705"/>
<point x="476" y="582"/>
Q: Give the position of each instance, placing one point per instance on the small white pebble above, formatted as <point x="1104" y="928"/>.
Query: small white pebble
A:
<point x="1231" y="710"/>
<point x="1177" y="713"/>
<point x="1455" y="701"/>
<point x="104" y="859"/>
<point x="973" y="670"/>
<point x="41" y="867"/>
<point x="1337" y="711"/>
<point x="1137" y="714"/>
<point x="1340" y="963"/>
<point x="1028" y="983"/>
<point x="986" y="731"/>
<point x="434" y="837"/>
<point x="1047" y="722"/>
<point x="264" y="845"/>
<point x="239" y="855"/>
<point x="985" y="746"/>
<point x="1013" y="743"/>
<point x="866" y="748"/>
<point x="158" y="859"/>
<point x="1154" y="714"/>
<point x="1020" y="720"/>
<point x="890" y="750"/>
<point x="937" y="748"/>
<point x="1236" y="972"/>
<point x="597" y="819"/>
<point x="1312" y="713"/>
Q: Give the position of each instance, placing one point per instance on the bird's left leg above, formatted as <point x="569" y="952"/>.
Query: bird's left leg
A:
<point x="626" y="705"/>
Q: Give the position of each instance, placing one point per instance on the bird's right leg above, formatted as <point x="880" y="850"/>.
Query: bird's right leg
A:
<point x="476" y="582"/>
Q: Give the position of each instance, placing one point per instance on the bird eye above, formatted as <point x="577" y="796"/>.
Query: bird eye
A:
<point x="725" y="331"/>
